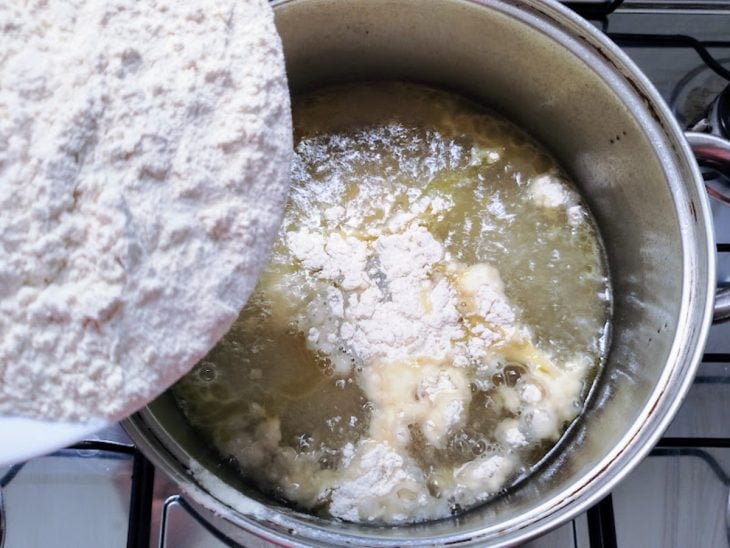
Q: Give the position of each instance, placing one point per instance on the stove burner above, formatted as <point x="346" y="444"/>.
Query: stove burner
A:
<point x="695" y="92"/>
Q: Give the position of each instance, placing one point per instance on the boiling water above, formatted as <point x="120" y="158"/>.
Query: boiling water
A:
<point x="431" y="318"/>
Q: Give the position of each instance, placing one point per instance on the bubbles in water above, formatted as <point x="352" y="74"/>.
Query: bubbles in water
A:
<point x="207" y="371"/>
<point x="513" y="373"/>
<point x="433" y="488"/>
<point x="479" y="446"/>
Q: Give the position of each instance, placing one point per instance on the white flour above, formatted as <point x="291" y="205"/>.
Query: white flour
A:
<point x="368" y="488"/>
<point x="406" y="315"/>
<point x="384" y="370"/>
<point x="549" y="192"/>
<point x="144" y="160"/>
<point x="415" y="320"/>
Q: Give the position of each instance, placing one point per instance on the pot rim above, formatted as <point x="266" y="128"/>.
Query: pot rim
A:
<point x="693" y="324"/>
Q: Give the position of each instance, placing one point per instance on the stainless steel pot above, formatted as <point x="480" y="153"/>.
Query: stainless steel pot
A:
<point x="576" y="92"/>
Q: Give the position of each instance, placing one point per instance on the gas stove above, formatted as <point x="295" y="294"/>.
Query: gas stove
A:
<point x="103" y="492"/>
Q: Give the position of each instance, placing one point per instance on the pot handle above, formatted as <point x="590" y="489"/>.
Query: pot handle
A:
<point x="714" y="151"/>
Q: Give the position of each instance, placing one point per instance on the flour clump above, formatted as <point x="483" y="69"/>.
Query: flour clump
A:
<point x="144" y="162"/>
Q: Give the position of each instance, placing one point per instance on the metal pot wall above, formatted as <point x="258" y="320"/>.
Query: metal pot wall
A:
<point x="577" y="93"/>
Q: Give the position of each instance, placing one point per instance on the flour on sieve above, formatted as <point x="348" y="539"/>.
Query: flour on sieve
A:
<point x="144" y="161"/>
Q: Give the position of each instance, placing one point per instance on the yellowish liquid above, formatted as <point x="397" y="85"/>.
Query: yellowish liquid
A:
<point x="292" y="405"/>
